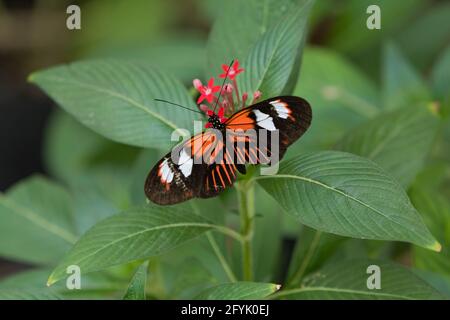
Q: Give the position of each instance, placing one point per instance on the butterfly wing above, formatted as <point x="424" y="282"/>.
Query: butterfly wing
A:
<point x="290" y="115"/>
<point x="220" y="175"/>
<point x="205" y="165"/>
<point x="179" y="175"/>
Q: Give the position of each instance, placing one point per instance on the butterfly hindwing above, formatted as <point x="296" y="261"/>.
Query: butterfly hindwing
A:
<point x="178" y="176"/>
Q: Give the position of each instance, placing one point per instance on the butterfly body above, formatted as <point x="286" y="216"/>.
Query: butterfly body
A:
<point x="207" y="163"/>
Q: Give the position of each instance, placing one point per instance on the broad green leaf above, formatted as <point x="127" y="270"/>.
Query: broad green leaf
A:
<point x="238" y="291"/>
<point x="34" y="278"/>
<point x="136" y="289"/>
<point x="399" y="141"/>
<point x="402" y="85"/>
<point x="436" y="211"/>
<point x="239" y="27"/>
<point x="116" y="99"/>
<point x="66" y="162"/>
<point x="348" y="280"/>
<point x="36" y="222"/>
<point x="273" y="63"/>
<point x="27" y="294"/>
<point x="441" y="75"/>
<point x="347" y="195"/>
<point x="94" y="285"/>
<point x="311" y="251"/>
<point x="424" y="37"/>
<point x="190" y="275"/>
<point x="132" y="235"/>
<point x="340" y="95"/>
<point x="100" y="193"/>
<point x="163" y="53"/>
<point x="437" y="281"/>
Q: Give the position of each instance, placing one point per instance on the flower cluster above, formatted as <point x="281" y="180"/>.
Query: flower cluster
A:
<point x="228" y="100"/>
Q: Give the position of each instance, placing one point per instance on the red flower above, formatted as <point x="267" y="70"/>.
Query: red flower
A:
<point x="207" y="92"/>
<point x="234" y="70"/>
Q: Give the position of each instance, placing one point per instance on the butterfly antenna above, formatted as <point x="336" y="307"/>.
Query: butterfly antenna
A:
<point x="178" y="105"/>
<point x="223" y="83"/>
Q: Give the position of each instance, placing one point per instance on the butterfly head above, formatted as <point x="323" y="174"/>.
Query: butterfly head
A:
<point x="216" y="121"/>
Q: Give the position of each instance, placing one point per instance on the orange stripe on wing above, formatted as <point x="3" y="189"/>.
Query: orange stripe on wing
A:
<point x="220" y="176"/>
<point x="226" y="172"/>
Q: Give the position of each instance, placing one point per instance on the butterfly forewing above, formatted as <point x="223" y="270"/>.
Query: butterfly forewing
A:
<point x="283" y="118"/>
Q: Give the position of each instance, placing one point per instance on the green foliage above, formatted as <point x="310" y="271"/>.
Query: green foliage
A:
<point x="390" y="179"/>
<point x="401" y="84"/>
<point x="347" y="280"/>
<point x="149" y="231"/>
<point x="136" y="289"/>
<point x="42" y="211"/>
<point x="274" y="58"/>
<point x="102" y="94"/>
<point x="238" y="291"/>
<point x="347" y="195"/>
<point x="399" y="141"/>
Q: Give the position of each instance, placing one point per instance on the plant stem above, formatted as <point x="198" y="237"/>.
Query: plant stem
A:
<point x="247" y="213"/>
<point x="226" y="267"/>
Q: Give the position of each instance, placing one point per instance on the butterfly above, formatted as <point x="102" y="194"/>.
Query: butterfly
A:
<point x="207" y="163"/>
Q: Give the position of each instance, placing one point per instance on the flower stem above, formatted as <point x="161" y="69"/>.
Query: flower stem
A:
<point x="237" y="91"/>
<point x="247" y="212"/>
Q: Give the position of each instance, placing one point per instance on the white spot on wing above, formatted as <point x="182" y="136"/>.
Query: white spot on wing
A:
<point x="183" y="157"/>
<point x="281" y="109"/>
<point x="264" y="120"/>
<point x="260" y="116"/>
<point x="186" y="168"/>
<point x="267" y="124"/>
<point x="169" y="177"/>
<point x="166" y="173"/>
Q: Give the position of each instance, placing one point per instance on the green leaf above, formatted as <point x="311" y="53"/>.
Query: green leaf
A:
<point x="402" y="85"/>
<point x="238" y="291"/>
<point x="311" y="251"/>
<point x="135" y="234"/>
<point x="441" y="75"/>
<point x="427" y="35"/>
<point x="273" y="62"/>
<point x="163" y="53"/>
<point x="136" y="289"/>
<point x="348" y="280"/>
<point x="94" y="285"/>
<point x="66" y="162"/>
<point x="399" y="141"/>
<point x="28" y="294"/>
<point x="436" y="209"/>
<point x="341" y="96"/>
<point x="345" y="194"/>
<point x="36" y="222"/>
<point x="116" y="99"/>
<point x="437" y="281"/>
<point x="239" y="27"/>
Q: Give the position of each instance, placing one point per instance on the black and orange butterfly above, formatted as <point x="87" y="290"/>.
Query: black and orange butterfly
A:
<point x="205" y="165"/>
